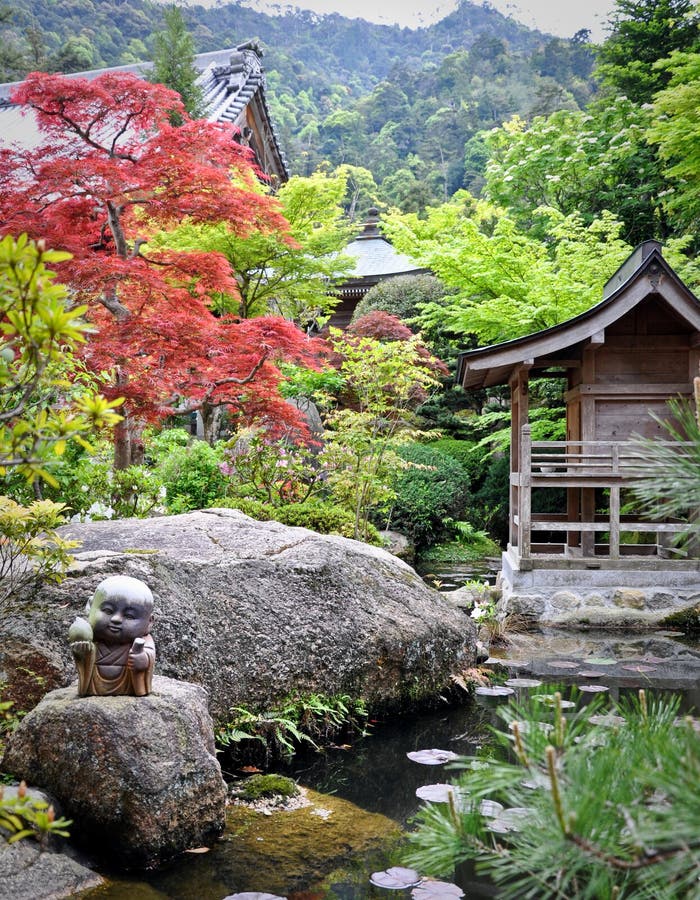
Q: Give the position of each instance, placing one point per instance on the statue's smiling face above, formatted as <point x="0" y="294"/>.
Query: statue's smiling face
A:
<point x="118" y="619"/>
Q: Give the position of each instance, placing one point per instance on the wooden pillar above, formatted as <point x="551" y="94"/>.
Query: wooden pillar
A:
<point x="525" y="493"/>
<point x="588" y="433"/>
<point x="519" y="416"/>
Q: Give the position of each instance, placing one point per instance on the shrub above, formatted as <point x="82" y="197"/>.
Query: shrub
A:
<point x="30" y="549"/>
<point x="401" y="296"/>
<point x="192" y="477"/>
<point x="315" y="515"/>
<point x="311" y="719"/>
<point x="491" y="501"/>
<point x="580" y="805"/>
<point x="430" y="494"/>
<point x="467" y="454"/>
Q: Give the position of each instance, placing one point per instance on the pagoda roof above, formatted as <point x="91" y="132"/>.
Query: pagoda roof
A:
<point x="374" y="255"/>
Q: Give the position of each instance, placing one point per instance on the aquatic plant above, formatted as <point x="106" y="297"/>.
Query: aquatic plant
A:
<point x="311" y="719"/>
<point x="589" y="810"/>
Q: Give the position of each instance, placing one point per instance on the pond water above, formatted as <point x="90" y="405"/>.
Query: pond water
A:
<point x="376" y="776"/>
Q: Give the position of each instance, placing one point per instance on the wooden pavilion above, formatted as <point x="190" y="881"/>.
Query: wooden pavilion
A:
<point x="622" y="360"/>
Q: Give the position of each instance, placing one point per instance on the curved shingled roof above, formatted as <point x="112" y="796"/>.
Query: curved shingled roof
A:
<point x="231" y="80"/>
<point x="644" y="272"/>
<point x="375" y="256"/>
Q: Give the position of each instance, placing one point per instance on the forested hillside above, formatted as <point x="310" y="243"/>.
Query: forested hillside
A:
<point x="400" y="103"/>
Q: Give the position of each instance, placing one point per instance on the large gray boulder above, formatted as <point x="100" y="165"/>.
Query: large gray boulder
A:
<point x="138" y="775"/>
<point x="254" y="610"/>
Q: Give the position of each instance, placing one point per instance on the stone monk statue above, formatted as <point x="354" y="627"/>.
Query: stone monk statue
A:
<point x="113" y="649"/>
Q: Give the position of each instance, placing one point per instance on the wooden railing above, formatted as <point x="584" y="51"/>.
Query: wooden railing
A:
<point x="580" y="467"/>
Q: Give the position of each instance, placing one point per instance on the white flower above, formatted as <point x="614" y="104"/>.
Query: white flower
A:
<point x="100" y="509"/>
<point x="84" y="488"/>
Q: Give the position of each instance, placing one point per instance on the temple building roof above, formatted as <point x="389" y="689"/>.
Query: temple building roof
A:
<point x="644" y="274"/>
<point x="233" y="87"/>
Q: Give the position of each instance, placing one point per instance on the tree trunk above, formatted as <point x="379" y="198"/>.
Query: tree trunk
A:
<point x="128" y="443"/>
<point x="122" y="443"/>
<point x="212" y="414"/>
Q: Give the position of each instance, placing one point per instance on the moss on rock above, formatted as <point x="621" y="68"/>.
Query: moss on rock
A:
<point x="258" y="786"/>
<point x="297" y="849"/>
<point x="687" y="620"/>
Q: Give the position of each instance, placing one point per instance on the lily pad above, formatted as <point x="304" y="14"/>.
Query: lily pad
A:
<point x="396" y="878"/>
<point x="609" y="721"/>
<point x="550" y="700"/>
<point x="254" y="895"/>
<point x="525" y="727"/>
<point x="523" y="682"/>
<point x="593" y="688"/>
<point x="432" y="757"/>
<point x="496" y="691"/>
<point x="490" y="809"/>
<point x="434" y="890"/>
<point x="601" y="660"/>
<point x="590" y="673"/>
<point x="511" y="819"/>
<point x="435" y="793"/>
<point x="654" y="660"/>
<point x="562" y="664"/>
<point x="639" y="668"/>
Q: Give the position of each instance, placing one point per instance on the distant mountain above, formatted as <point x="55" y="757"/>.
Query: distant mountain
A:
<point x="402" y="102"/>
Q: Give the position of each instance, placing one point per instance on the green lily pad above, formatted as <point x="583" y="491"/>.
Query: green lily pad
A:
<point x="601" y="660"/>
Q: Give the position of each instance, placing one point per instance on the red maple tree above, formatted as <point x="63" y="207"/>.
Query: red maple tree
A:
<point x="111" y="170"/>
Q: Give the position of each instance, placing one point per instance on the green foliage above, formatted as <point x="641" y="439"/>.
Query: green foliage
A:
<point x="22" y="815"/>
<point x="30" y="549"/>
<point x="275" y="471"/>
<point x="326" y="518"/>
<point x="192" y="476"/>
<point x="468" y="544"/>
<point x="489" y="506"/>
<point x="687" y="620"/>
<point x="465" y="453"/>
<point x="675" y="130"/>
<point x="310" y="719"/>
<point x="321" y="387"/>
<point x="386" y="380"/>
<point x="587" y="162"/>
<point x="286" y="274"/>
<point x="267" y="786"/>
<point x="602" y="809"/>
<point x="173" y="63"/>
<point x="401" y="296"/>
<point x="643" y="32"/>
<point x="432" y="491"/>
<point x="42" y="406"/>
<point x="506" y="282"/>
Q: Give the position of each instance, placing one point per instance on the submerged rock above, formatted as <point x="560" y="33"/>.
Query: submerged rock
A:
<point x="255" y="610"/>
<point x="138" y="775"/>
